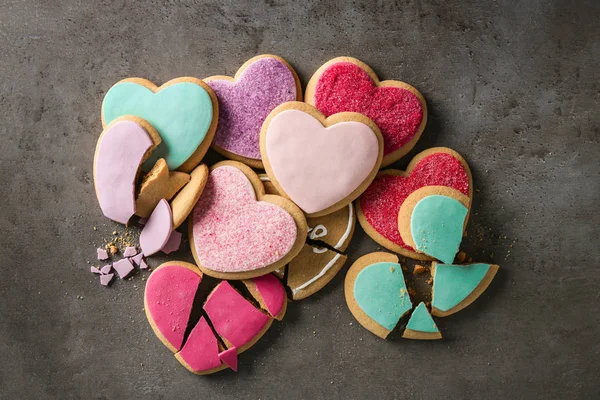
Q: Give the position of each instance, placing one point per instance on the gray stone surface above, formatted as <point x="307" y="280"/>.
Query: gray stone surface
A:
<point x="512" y="85"/>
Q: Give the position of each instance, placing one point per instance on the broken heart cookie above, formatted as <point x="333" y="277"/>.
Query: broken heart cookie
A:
<point x="378" y="207"/>
<point x="122" y="147"/>
<point x="230" y="323"/>
<point x="184" y="112"/>
<point x="260" y="85"/>
<point x="321" y="164"/>
<point x="347" y="84"/>
<point x="432" y="221"/>
<point x="376" y="292"/>
<point x="421" y="326"/>
<point x="238" y="232"/>
<point x="312" y="269"/>
<point x="457" y="286"/>
<point x="323" y="256"/>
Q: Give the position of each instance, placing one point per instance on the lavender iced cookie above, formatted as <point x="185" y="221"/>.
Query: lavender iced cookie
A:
<point x="260" y="85"/>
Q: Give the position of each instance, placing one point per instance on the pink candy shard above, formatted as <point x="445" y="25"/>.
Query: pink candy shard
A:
<point x="229" y="357"/>
<point x="168" y="300"/>
<point x="120" y="151"/>
<point x="130" y="252"/>
<point x="157" y="230"/>
<point x="143" y="265"/>
<point x="94" y="270"/>
<point x="272" y="292"/>
<point x="201" y="350"/>
<point x="137" y="259"/>
<point x="233" y="317"/>
<point x="106" y="279"/>
<point x="106" y="269"/>
<point x="173" y="243"/>
<point x="123" y="267"/>
<point x="102" y="254"/>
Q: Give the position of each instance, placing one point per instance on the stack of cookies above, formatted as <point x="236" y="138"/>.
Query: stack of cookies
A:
<point x="282" y="209"/>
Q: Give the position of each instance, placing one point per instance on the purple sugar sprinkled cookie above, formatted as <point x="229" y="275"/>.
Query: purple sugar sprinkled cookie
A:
<point x="260" y="85"/>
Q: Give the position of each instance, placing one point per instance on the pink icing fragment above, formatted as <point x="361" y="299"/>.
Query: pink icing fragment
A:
<point x="169" y="296"/>
<point x="173" y="243"/>
<point x="230" y="358"/>
<point x="137" y="259"/>
<point x="106" y="269"/>
<point x="102" y="254"/>
<point x="157" y="230"/>
<point x="130" y="251"/>
<point x="94" y="270"/>
<point x="232" y="231"/>
<point x="123" y="267"/>
<point x="201" y="350"/>
<point x="233" y="317"/>
<point x="272" y="292"/>
<point x="143" y="265"/>
<point x="245" y="104"/>
<point x="106" y="279"/>
<point x="120" y="151"/>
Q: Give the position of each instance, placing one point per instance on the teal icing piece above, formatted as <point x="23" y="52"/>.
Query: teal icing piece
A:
<point x="421" y="320"/>
<point x="380" y="291"/>
<point x="436" y="225"/>
<point x="454" y="283"/>
<point x="181" y="113"/>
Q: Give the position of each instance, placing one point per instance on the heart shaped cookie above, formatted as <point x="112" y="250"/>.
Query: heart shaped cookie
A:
<point x="230" y="323"/>
<point x="377" y="209"/>
<point x="122" y="147"/>
<point x="321" y="164"/>
<point x="238" y="232"/>
<point x="432" y="220"/>
<point x="260" y="85"/>
<point x="184" y="111"/>
<point x="347" y="84"/>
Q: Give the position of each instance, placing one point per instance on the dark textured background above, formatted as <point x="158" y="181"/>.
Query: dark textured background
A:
<point x="512" y="85"/>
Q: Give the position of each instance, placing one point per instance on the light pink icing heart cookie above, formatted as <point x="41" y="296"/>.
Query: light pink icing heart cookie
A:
<point x="122" y="147"/>
<point x="238" y="232"/>
<point x="321" y="164"/>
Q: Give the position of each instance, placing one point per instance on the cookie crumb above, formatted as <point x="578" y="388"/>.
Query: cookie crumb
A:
<point x="412" y="292"/>
<point x="392" y="269"/>
<point x="461" y="257"/>
<point x="429" y="281"/>
<point x="419" y="269"/>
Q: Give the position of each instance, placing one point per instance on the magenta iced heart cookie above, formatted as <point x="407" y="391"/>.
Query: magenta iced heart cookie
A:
<point x="321" y="164"/>
<point x="260" y="85"/>
<point x="230" y="322"/>
<point x="238" y="232"/>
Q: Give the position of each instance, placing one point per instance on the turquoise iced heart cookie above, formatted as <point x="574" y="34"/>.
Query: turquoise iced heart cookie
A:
<point x="184" y="111"/>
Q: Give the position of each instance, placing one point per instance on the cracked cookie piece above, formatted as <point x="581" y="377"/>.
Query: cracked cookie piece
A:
<point x="376" y="292"/>
<point x="421" y="326"/>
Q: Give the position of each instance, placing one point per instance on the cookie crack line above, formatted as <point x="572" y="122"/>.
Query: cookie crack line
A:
<point x="324" y="245"/>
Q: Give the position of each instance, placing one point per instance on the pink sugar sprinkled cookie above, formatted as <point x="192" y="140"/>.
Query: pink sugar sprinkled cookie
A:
<point x="260" y="85"/>
<point x="345" y="84"/>
<point x="238" y="232"/>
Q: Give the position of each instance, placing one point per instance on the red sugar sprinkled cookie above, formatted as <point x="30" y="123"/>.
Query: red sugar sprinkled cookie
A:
<point x="345" y="84"/>
<point x="378" y="207"/>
